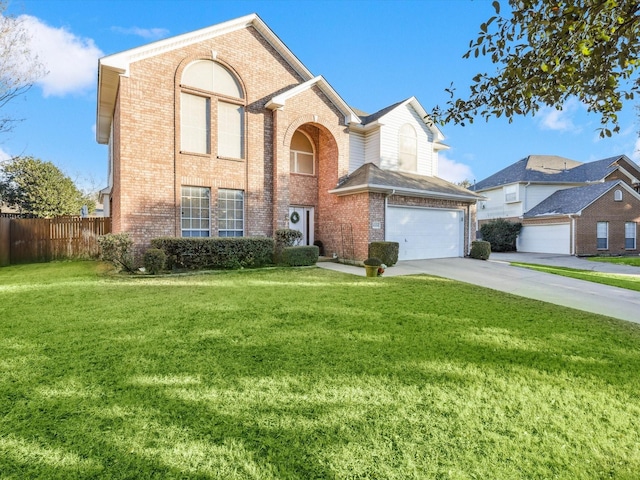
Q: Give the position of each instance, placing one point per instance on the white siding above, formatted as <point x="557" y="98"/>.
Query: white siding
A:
<point x="356" y="151"/>
<point x="537" y="193"/>
<point x="391" y="123"/>
<point x="372" y="147"/>
<point x="495" y="206"/>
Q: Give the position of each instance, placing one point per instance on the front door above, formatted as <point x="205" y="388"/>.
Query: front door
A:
<point x="301" y="219"/>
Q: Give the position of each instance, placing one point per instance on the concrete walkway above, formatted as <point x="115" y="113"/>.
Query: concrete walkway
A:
<point x="498" y="274"/>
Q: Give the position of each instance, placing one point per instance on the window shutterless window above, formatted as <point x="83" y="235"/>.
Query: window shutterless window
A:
<point x="301" y="155"/>
<point x="602" y="233"/>
<point x="407" y="148"/>
<point x="195" y="212"/>
<point x="630" y="231"/>
<point x="230" y="213"/>
<point x="195" y="132"/>
<point x="511" y="193"/>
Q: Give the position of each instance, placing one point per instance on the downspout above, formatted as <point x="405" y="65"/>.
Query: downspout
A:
<point x="468" y="249"/>
<point x="572" y="235"/>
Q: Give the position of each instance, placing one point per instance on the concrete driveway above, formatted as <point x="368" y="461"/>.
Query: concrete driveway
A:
<point x="498" y="274"/>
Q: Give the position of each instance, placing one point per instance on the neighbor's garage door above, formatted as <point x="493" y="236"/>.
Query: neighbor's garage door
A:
<point x="545" y="239"/>
<point x="426" y="232"/>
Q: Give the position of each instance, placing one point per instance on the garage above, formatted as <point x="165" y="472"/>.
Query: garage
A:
<point x="425" y="232"/>
<point x="545" y="239"/>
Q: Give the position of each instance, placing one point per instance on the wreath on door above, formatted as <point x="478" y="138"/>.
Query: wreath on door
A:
<point x="295" y="217"/>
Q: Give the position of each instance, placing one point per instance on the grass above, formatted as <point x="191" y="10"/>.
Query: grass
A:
<point x="632" y="261"/>
<point x="630" y="282"/>
<point x="306" y="373"/>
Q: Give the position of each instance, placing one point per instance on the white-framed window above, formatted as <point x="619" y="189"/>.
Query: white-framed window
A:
<point x="211" y="94"/>
<point x="195" y="211"/>
<point x="602" y="234"/>
<point x="617" y="196"/>
<point x="510" y="193"/>
<point x="230" y="213"/>
<point x="407" y="148"/>
<point x="195" y="129"/>
<point x="302" y="159"/>
<point x="230" y="130"/>
<point x="630" y="230"/>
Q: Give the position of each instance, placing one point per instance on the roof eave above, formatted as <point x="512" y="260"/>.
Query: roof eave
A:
<point x="411" y="192"/>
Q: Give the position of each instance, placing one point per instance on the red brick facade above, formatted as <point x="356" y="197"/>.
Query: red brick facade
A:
<point x="149" y="168"/>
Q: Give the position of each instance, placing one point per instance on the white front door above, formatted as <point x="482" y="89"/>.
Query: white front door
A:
<point x="301" y="219"/>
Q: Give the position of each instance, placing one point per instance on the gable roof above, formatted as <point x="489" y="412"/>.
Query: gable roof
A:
<point x="280" y="100"/>
<point x="371" y="178"/>
<point x="572" y="201"/>
<point x="372" y="121"/>
<point x="551" y="169"/>
<point x="111" y="67"/>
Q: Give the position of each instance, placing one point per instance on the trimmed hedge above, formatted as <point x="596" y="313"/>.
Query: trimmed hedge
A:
<point x="480" y="249"/>
<point x="154" y="260"/>
<point x="220" y="253"/>
<point x="385" y="251"/>
<point x="117" y="248"/>
<point x="501" y="234"/>
<point x="300" y="256"/>
<point x="373" y="262"/>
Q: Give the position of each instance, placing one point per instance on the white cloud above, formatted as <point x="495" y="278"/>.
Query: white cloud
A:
<point x="559" y="120"/>
<point x="71" y="61"/>
<point x="146" y="33"/>
<point x="453" y="171"/>
<point x="4" y="155"/>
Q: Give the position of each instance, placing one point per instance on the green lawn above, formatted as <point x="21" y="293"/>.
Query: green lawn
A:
<point x="615" y="280"/>
<point x="633" y="261"/>
<point x="306" y="373"/>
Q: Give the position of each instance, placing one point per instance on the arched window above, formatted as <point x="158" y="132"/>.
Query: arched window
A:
<point x="301" y="156"/>
<point x="206" y="84"/>
<point x="407" y="148"/>
<point x="617" y="196"/>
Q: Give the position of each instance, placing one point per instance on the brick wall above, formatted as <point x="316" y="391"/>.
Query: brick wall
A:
<point x="605" y="209"/>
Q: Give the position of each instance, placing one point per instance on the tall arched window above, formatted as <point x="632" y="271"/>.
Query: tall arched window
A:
<point x="301" y="156"/>
<point x="209" y="88"/>
<point x="407" y="148"/>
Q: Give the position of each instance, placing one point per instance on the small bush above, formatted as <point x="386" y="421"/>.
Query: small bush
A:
<point x="480" y="249"/>
<point x="154" y="260"/>
<point x="222" y="253"/>
<point x="387" y="252"/>
<point x="373" y="262"/>
<point x="117" y="248"/>
<point x="501" y="234"/>
<point x="300" y="256"/>
<point x="285" y="237"/>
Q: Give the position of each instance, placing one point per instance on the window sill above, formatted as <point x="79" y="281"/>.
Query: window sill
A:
<point x="232" y="159"/>
<point x="303" y="174"/>
<point x="194" y="154"/>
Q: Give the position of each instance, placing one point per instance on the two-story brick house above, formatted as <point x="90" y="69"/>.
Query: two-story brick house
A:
<point x="566" y="206"/>
<point x="224" y="132"/>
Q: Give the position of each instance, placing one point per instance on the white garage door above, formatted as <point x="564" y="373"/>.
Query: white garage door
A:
<point x="545" y="239"/>
<point x="426" y="232"/>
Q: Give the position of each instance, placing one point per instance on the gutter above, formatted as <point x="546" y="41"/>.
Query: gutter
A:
<point x="409" y="191"/>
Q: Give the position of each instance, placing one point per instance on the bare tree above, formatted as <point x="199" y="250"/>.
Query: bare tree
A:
<point x="19" y="66"/>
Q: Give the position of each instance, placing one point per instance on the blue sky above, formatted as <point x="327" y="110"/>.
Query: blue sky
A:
<point x="373" y="53"/>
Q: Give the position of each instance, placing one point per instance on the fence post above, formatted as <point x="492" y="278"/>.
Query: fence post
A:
<point x="5" y="241"/>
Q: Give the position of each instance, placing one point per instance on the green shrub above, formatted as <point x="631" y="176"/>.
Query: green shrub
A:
<point x="373" y="262"/>
<point x="501" y="234"/>
<point x="117" y="248"/>
<point x="387" y="252"/>
<point x="480" y="249"/>
<point x="300" y="256"/>
<point x="285" y="237"/>
<point x="222" y="253"/>
<point x="154" y="260"/>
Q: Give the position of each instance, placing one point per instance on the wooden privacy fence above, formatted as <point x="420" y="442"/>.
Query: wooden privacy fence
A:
<point x="27" y="240"/>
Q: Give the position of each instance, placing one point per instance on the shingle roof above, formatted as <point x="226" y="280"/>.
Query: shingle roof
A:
<point x="370" y="177"/>
<point x="570" y="200"/>
<point x="375" y="116"/>
<point x="550" y="169"/>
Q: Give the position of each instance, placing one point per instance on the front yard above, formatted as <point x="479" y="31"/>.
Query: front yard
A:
<point x="306" y="373"/>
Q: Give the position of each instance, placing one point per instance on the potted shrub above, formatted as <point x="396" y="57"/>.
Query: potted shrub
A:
<point x="372" y="265"/>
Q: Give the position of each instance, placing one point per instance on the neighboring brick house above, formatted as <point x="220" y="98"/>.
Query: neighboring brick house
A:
<point x="566" y="206"/>
<point x="224" y="132"/>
